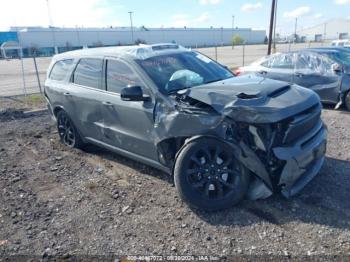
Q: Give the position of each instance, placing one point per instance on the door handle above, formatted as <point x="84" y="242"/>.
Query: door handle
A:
<point x="106" y="103"/>
<point x="299" y="74"/>
<point x="262" y="72"/>
<point x="67" y="94"/>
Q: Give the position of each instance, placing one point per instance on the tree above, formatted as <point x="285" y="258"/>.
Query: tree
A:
<point x="34" y="49"/>
<point x="140" y="41"/>
<point x="237" y="40"/>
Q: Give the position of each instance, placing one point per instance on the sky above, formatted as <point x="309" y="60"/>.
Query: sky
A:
<point x="174" y="13"/>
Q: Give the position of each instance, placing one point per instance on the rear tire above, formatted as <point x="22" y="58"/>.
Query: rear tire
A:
<point x="68" y="133"/>
<point x="347" y="101"/>
<point x="207" y="175"/>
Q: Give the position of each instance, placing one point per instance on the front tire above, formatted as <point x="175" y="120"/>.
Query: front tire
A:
<point x="208" y="176"/>
<point x="68" y="133"/>
<point x="347" y="101"/>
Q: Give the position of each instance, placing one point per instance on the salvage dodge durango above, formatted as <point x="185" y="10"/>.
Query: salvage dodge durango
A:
<point x="222" y="137"/>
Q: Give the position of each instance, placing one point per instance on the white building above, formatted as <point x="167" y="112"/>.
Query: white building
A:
<point x="330" y="30"/>
<point x="63" y="37"/>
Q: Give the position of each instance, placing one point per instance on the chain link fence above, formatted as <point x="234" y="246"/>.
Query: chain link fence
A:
<point x="22" y="76"/>
<point x="245" y="54"/>
<point x="26" y="76"/>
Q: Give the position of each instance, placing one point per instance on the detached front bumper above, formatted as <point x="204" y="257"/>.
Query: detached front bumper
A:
<point x="304" y="160"/>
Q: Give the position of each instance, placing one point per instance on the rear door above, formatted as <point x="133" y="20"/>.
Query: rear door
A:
<point x="128" y="125"/>
<point x="85" y="92"/>
<point x="56" y="85"/>
<point x="315" y="71"/>
<point x="279" y="67"/>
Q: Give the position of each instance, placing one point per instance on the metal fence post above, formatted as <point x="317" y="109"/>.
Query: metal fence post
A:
<point x="216" y="53"/>
<point x="243" y="52"/>
<point x="24" y="80"/>
<point x="37" y="73"/>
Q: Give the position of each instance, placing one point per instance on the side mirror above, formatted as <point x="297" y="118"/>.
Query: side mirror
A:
<point x="338" y="68"/>
<point x="133" y="93"/>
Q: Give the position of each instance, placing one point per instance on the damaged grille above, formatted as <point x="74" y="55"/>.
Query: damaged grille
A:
<point x="301" y="124"/>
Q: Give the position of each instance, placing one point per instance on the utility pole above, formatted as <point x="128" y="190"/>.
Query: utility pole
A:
<point x="274" y="29"/>
<point x="295" y="30"/>
<point x="272" y="19"/>
<point x="51" y="27"/>
<point x="325" y="32"/>
<point x="132" y="28"/>
<point x="222" y="36"/>
<point x="233" y="25"/>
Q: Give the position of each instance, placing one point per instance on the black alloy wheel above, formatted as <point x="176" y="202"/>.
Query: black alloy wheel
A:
<point x="67" y="131"/>
<point x="208" y="175"/>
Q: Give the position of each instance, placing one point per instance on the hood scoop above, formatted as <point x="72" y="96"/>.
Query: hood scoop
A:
<point x="247" y="96"/>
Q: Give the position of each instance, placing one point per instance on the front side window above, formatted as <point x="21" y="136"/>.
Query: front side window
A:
<point x="319" y="64"/>
<point x="119" y="76"/>
<point x="341" y="57"/>
<point x="176" y="71"/>
<point x="88" y="73"/>
<point x="60" y="69"/>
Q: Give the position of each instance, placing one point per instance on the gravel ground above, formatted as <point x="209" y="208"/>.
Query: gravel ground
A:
<point x="56" y="201"/>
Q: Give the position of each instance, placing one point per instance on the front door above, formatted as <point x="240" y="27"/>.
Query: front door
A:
<point x="128" y="125"/>
<point x="315" y="71"/>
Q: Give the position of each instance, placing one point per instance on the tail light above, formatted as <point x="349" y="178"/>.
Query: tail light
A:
<point x="238" y="72"/>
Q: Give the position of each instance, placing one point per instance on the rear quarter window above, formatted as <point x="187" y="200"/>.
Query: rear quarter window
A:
<point x="60" y="69"/>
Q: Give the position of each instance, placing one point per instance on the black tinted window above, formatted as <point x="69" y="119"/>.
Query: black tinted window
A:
<point x="88" y="72"/>
<point x="119" y="75"/>
<point x="61" y="69"/>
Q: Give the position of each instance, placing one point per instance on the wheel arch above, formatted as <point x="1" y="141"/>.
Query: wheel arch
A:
<point x="243" y="154"/>
<point x="57" y="109"/>
<point x="189" y="140"/>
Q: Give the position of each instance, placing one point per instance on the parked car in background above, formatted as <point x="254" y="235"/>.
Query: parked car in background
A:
<point x="221" y="137"/>
<point x="323" y="70"/>
<point x="342" y="42"/>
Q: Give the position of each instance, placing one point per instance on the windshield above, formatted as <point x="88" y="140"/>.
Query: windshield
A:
<point x="172" y="72"/>
<point x="341" y="57"/>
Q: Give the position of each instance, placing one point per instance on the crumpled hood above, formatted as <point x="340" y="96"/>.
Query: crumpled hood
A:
<point x="254" y="99"/>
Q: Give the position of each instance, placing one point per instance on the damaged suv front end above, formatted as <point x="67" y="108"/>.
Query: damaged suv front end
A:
<point x="275" y="129"/>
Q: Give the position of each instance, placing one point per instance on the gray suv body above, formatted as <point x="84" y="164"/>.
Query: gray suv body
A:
<point x="222" y="137"/>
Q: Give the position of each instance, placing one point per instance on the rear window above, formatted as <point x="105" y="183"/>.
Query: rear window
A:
<point x="88" y="73"/>
<point x="60" y="70"/>
<point x="280" y="61"/>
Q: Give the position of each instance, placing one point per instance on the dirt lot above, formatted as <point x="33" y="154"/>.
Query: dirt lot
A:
<point x="60" y="202"/>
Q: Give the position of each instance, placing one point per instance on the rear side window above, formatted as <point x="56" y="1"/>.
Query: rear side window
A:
<point x="281" y="61"/>
<point x="88" y="73"/>
<point x="119" y="75"/>
<point x="60" y="69"/>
